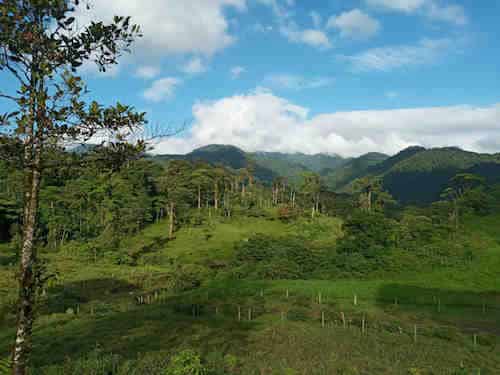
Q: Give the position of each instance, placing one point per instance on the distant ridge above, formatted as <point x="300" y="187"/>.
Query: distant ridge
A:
<point x="413" y="175"/>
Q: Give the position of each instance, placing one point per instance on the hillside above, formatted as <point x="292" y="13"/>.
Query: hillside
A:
<point x="294" y="165"/>
<point x="267" y="165"/>
<point x="421" y="176"/>
<point x="133" y="317"/>
<point x="338" y="178"/>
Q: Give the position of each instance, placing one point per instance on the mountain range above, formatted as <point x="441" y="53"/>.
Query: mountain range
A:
<point x="414" y="175"/>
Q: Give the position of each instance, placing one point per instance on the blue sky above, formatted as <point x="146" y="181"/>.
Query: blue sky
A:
<point x="339" y="76"/>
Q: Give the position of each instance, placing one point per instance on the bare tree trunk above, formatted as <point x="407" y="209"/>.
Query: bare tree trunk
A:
<point x="27" y="286"/>
<point x="216" y="196"/>
<point x="369" y="200"/>
<point x="171" y="212"/>
<point x="199" y="197"/>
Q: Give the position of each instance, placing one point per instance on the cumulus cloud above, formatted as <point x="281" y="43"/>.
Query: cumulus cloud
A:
<point x="426" y="51"/>
<point x="194" y="66"/>
<point x="147" y="72"/>
<point x="296" y="82"/>
<point x="407" y="6"/>
<point x="432" y="9"/>
<point x="171" y="26"/>
<point x="311" y="37"/>
<point x="450" y="13"/>
<point x="237" y="71"/>
<point x="161" y="89"/>
<point x="354" y="24"/>
<point x="261" y="120"/>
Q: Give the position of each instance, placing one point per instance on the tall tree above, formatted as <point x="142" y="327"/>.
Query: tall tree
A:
<point x="311" y="188"/>
<point x="459" y="186"/>
<point x="41" y="49"/>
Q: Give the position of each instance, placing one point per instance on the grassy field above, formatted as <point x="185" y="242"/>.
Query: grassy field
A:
<point x="436" y="321"/>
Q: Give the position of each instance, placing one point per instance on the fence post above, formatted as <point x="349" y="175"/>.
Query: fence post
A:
<point x="363" y="325"/>
<point x="414" y="333"/>
<point x="322" y="319"/>
<point x="239" y="313"/>
<point x="355" y="300"/>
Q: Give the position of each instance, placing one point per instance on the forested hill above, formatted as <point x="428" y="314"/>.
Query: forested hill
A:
<point x="265" y="165"/>
<point x="421" y="176"/>
<point x="414" y="175"/>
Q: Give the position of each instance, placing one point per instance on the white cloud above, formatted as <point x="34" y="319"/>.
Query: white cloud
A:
<point x="407" y="6"/>
<point x="194" y="66"/>
<point x="237" y="71"/>
<point x="262" y="121"/>
<point x="311" y="37"/>
<point x="161" y="89"/>
<point x="296" y="82"/>
<point x="279" y="8"/>
<point x="450" y="13"/>
<point x="147" y="71"/>
<point x="171" y="26"/>
<point x="426" y="51"/>
<point x="432" y="9"/>
<point x="354" y="24"/>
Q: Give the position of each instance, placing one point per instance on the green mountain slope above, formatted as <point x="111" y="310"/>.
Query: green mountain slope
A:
<point x="294" y="165"/>
<point x="421" y="177"/>
<point x="340" y="177"/>
<point x="266" y="165"/>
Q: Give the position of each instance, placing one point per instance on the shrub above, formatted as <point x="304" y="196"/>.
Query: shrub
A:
<point x="186" y="362"/>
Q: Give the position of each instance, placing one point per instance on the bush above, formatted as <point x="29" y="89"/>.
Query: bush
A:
<point x="186" y="362"/>
<point x="268" y="257"/>
<point x="368" y="234"/>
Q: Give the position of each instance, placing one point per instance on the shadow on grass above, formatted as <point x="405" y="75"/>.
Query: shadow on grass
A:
<point x="8" y="260"/>
<point x="143" y="329"/>
<point x="72" y="294"/>
<point x="469" y="310"/>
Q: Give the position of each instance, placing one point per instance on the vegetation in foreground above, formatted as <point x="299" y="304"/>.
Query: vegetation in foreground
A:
<point x="257" y="286"/>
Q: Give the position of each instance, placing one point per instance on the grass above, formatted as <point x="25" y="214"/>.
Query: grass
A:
<point x="449" y="306"/>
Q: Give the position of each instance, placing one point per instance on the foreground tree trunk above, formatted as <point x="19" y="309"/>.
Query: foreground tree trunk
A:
<point x="27" y="285"/>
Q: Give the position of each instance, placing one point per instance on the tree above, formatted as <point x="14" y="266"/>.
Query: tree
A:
<point x="176" y="185"/>
<point x="459" y="186"/>
<point x="311" y="188"/>
<point x="373" y="196"/>
<point x="41" y="48"/>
